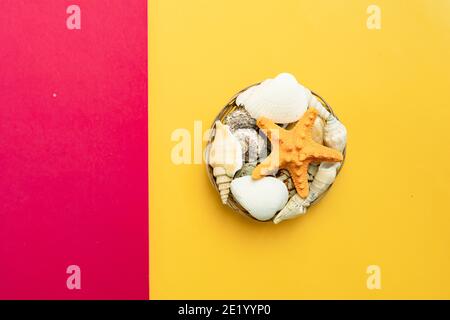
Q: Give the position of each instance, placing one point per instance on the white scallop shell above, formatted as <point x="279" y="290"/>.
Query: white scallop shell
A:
<point x="282" y="99"/>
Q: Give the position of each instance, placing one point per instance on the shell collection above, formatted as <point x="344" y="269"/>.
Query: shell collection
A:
<point x="277" y="151"/>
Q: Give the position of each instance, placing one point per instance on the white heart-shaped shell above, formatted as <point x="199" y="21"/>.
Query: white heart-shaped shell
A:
<point x="262" y="198"/>
<point x="282" y="99"/>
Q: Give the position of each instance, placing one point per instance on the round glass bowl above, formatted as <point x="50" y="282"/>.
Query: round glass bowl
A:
<point x="229" y="108"/>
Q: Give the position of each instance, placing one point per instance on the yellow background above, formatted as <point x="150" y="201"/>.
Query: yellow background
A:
<point x="390" y="204"/>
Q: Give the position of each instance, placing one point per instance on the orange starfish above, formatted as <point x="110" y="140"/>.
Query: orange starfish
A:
<point x="294" y="150"/>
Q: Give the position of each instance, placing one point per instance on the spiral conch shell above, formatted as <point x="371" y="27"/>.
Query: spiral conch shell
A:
<point x="325" y="176"/>
<point x="293" y="209"/>
<point x="335" y="134"/>
<point x="223" y="182"/>
<point x="225" y="156"/>
<point x="282" y="99"/>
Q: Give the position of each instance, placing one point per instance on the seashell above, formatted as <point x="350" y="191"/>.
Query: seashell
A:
<point x="223" y="182"/>
<point x="316" y="104"/>
<point x="246" y="170"/>
<point x="282" y="99"/>
<point x="317" y="130"/>
<point x="293" y="208"/>
<point x="335" y="134"/>
<point x="312" y="170"/>
<point x="325" y="176"/>
<point x="240" y="119"/>
<point x="284" y="176"/>
<point x="226" y="150"/>
<point x="262" y="198"/>
<point x="252" y="144"/>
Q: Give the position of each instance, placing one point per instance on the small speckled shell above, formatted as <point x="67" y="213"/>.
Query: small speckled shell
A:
<point x="253" y="144"/>
<point x="240" y="119"/>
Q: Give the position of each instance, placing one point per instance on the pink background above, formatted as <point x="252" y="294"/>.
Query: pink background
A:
<point x="73" y="149"/>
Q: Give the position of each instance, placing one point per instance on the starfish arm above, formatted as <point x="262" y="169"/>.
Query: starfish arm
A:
<point x="270" y="128"/>
<point x="300" y="178"/>
<point x="306" y="121"/>
<point x="321" y="153"/>
<point x="269" y="165"/>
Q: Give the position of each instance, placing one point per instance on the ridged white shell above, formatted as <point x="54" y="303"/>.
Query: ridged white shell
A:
<point x="282" y="99"/>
